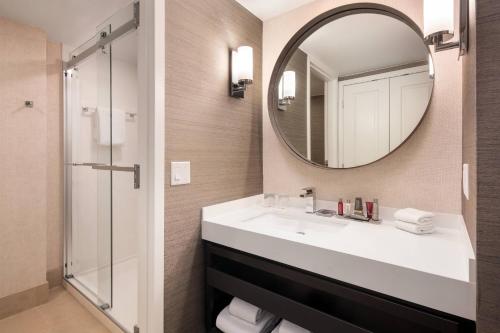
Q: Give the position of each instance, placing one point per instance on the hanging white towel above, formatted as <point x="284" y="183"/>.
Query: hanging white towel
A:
<point x="228" y="323"/>
<point x="287" y="327"/>
<point x="415" y="228"/>
<point x="412" y="215"/>
<point x="246" y="311"/>
<point x="102" y="127"/>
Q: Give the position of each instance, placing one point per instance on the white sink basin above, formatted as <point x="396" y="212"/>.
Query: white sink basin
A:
<point x="306" y="225"/>
<point x="435" y="271"/>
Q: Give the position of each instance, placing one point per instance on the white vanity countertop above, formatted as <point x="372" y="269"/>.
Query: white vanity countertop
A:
<point x="435" y="270"/>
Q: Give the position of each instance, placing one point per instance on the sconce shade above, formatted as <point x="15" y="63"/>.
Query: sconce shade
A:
<point x="288" y="85"/>
<point x="439" y="18"/>
<point x="241" y="70"/>
<point x="235" y="74"/>
<point x="244" y="63"/>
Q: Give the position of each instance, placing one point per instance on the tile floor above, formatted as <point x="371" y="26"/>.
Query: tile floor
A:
<point x="61" y="314"/>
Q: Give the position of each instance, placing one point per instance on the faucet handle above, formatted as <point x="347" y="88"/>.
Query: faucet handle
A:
<point x="309" y="190"/>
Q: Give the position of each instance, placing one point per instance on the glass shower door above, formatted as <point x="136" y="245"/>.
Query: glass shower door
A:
<point x="102" y="174"/>
<point x="89" y="115"/>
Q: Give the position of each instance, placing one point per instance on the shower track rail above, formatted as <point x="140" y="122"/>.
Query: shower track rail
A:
<point x="106" y="39"/>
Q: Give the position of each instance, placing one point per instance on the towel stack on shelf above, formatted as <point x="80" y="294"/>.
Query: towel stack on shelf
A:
<point x="287" y="327"/>
<point x="414" y="221"/>
<point x="242" y="317"/>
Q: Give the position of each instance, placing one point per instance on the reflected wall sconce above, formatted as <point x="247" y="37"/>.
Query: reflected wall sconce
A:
<point x="241" y="70"/>
<point x="286" y="90"/>
<point x="439" y="25"/>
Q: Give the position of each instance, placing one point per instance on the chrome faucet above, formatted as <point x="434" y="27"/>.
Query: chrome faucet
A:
<point x="310" y="196"/>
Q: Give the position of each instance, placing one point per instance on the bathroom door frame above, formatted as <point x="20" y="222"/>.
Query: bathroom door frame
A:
<point x="151" y="65"/>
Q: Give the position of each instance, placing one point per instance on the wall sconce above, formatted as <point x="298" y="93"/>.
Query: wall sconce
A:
<point x="286" y="90"/>
<point x="439" y="25"/>
<point x="241" y="70"/>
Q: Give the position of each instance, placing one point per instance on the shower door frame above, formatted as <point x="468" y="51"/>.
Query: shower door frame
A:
<point x="151" y="93"/>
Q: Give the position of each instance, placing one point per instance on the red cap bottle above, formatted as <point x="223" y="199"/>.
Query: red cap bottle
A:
<point x="340" y="208"/>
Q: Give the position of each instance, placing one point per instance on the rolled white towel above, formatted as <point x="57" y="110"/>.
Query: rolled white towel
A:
<point x="412" y="215"/>
<point x="246" y="311"/>
<point x="228" y="323"/>
<point x="415" y="228"/>
<point x="287" y="327"/>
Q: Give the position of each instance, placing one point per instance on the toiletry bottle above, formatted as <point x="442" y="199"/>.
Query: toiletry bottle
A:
<point x="358" y="206"/>
<point x="369" y="209"/>
<point x="375" y="216"/>
<point x="347" y="210"/>
<point x="340" y="207"/>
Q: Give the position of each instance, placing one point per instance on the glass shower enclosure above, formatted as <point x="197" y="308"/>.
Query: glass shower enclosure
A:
<point x="102" y="172"/>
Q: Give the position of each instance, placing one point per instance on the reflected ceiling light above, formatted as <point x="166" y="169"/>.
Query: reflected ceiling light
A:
<point x="439" y="24"/>
<point x="241" y="70"/>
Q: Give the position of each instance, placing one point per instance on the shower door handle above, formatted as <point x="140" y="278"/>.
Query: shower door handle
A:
<point x="83" y="164"/>
<point x="136" y="169"/>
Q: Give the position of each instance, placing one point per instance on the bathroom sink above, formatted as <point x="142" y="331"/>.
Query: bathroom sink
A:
<point x="306" y="225"/>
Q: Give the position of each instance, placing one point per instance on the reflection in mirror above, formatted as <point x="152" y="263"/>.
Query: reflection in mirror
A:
<point x="354" y="90"/>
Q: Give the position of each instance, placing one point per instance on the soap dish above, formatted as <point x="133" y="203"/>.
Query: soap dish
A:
<point x="358" y="217"/>
<point x="326" y="212"/>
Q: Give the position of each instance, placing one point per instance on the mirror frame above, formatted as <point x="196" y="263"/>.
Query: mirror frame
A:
<point x="307" y="30"/>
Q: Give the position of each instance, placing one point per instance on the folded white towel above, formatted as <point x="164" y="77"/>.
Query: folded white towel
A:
<point x="246" y="311"/>
<point x="415" y="228"/>
<point x="102" y="128"/>
<point x="412" y="215"/>
<point x="228" y="323"/>
<point x="287" y="327"/>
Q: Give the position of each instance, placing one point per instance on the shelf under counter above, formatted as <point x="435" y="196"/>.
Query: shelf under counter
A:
<point x="312" y="301"/>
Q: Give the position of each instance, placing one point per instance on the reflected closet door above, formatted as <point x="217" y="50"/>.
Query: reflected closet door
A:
<point x="365" y="118"/>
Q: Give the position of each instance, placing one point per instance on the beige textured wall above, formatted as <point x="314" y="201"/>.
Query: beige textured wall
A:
<point x="23" y="155"/>
<point x="220" y="135"/>
<point x="469" y="154"/>
<point x="425" y="173"/>
<point x="55" y="145"/>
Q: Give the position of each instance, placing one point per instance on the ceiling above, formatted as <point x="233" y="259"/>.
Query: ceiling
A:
<point x="363" y="42"/>
<point x="70" y="22"/>
<point x="266" y="9"/>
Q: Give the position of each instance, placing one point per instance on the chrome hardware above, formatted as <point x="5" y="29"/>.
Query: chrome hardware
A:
<point x="105" y="306"/>
<point x="136" y="169"/>
<point x="310" y="194"/>
<point x="106" y="38"/>
<point x="83" y="164"/>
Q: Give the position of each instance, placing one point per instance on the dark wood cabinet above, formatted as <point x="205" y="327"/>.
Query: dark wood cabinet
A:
<point x="315" y="302"/>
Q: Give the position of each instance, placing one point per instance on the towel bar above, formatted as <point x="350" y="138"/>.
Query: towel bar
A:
<point x="87" y="110"/>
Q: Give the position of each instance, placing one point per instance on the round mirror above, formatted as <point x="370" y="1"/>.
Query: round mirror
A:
<point x="351" y="87"/>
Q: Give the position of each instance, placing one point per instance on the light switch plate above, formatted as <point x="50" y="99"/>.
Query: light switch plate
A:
<point x="465" y="180"/>
<point x="180" y="173"/>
